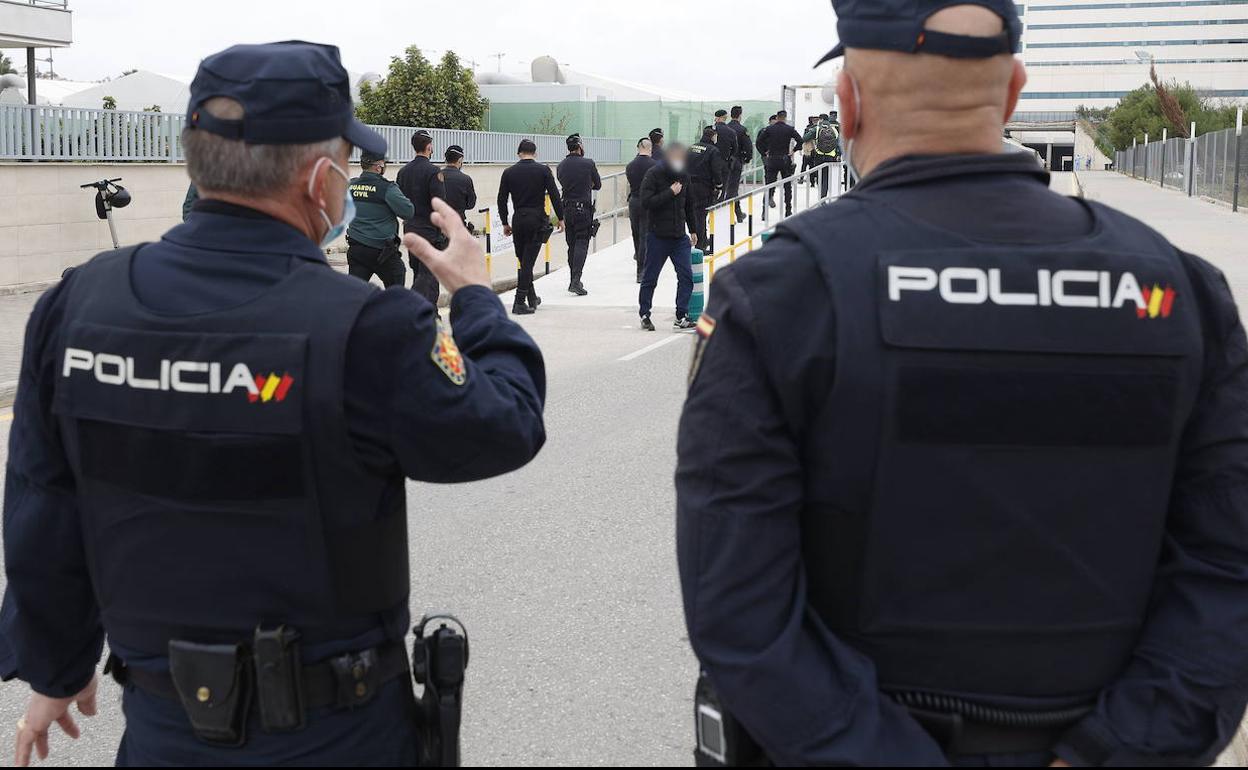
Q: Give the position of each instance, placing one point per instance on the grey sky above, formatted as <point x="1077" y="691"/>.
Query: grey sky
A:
<point x="730" y="48"/>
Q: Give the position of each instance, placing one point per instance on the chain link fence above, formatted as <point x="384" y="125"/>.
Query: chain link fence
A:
<point x="1211" y="166"/>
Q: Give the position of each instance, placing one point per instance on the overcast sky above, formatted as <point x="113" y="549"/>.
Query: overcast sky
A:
<point x="728" y="48"/>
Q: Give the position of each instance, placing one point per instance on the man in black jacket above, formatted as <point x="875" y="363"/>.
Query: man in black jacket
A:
<point x="579" y="178"/>
<point x="421" y="181"/>
<point x="706" y="168"/>
<point x="527" y="184"/>
<point x="635" y="173"/>
<point x="745" y="154"/>
<point x="672" y="216"/>
<point x="776" y="143"/>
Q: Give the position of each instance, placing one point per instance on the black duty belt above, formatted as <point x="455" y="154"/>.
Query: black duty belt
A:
<point x="343" y="681"/>
<point x="965" y="728"/>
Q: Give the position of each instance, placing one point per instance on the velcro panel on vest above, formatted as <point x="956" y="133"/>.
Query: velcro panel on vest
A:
<point x="173" y="381"/>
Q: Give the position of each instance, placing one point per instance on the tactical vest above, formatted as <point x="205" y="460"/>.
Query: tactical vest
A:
<point x="827" y="140"/>
<point x="217" y="486"/>
<point x="698" y="164"/>
<point x="988" y="479"/>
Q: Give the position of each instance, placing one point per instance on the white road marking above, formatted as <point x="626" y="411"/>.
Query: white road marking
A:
<point x="653" y="347"/>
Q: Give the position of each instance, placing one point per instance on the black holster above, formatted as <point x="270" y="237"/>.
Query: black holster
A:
<point x="439" y="660"/>
<point x="721" y="741"/>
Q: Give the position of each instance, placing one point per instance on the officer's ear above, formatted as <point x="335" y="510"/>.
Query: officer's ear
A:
<point x="1018" y="79"/>
<point x="848" y="97"/>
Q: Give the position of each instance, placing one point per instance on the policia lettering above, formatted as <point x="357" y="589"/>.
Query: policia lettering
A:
<point x="976" y="286"/>
<point x="199" y="377"/>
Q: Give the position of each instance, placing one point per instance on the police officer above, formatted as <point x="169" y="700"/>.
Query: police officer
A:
<point x="827" y="150"/>
<point x="527" y="184"/>
<point x="422" y="181"/>
<point x="215" y="430"/>
<point x="808" y="147"/>
<point x="461" y="193"/>
<point x="635" y="172"/>
<point x="705" y="167"/>
<point x="986" y="508"/>
<point x="373" y="235"/>
<point x="745" y="155"/>
<point x="776" y="143"/>
<point x="656" y="143"/>
<point x="578" y="175"/>
<point x="726" y="142"/>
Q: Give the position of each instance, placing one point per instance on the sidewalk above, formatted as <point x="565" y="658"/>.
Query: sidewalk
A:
<point x="1195" y="225"/>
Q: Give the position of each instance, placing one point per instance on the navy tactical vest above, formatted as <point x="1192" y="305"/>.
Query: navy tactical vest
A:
<point x="988" y="479"/>
<point x="216" y="481"/>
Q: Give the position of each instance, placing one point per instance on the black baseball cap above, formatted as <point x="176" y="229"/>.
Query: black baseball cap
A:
<point x="656" y="133"/>
<point x="455" y="149"/>
<point x="721" y="113"/>
<point x="292" y="93"/>
<point x="897" y="25"/>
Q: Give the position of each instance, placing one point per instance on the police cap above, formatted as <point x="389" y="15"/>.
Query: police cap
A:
<point x="370" y="158"/>
<point x="897" y="25"/>
<point x="721" y="113"/>
<point x="656" y="134"/>
<point x="454" y="152"/>
<point x="291" y="92"/>
<point x="573" y="141"/>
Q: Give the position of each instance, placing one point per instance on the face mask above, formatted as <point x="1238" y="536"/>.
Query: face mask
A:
<point x="334" y="231"/>
<point x="677" y="166"/>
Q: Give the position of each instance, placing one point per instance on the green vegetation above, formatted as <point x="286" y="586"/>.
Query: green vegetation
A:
<point x="1153" y="107"/>
<point x="6" y="65"/>
<point x="416" y="93"/>
<point x="110" y="103"/>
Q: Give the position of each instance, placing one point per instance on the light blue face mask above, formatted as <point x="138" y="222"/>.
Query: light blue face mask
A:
<point x="335" y="231"/>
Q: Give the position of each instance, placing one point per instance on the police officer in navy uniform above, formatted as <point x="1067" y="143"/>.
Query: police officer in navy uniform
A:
<point x="635" y="172"/>
<point x="210" y="441"/>
<point x="726" y="139"/>
<point x="461" y="192"/>
<point x="373" y="235"/>
<point x="422" y="181"/>
<point x="579" y="178"/>
<point x="958" y="488"/>
<point x="745" y="155"/>
<point x="527" y="185"/>
<point x="706" y="168"/>
<point x="656" y="144"/>
<point x="775" y="143"/>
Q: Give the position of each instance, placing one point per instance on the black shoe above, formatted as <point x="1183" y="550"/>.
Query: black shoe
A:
<point x="683" y="323"/>
<point x="576" y="288"/>
<point x="640" y="278"/>
<point x="788" y="213"/>
<point x="646" y="323"/>
<point x="521" y="309"/>
<point x="534" y="301"/>
<point x="771" y="204"/>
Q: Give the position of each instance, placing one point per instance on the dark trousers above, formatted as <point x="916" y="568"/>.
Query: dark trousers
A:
<point x="380" y="733"/>
<point x="733" y="187"/>
<point x="658" y="252"/>
<point x="386" y="263"/>
<point x="637" y="220"/>
<point x="809" y="162"/>
<point x="423" y="282"/>
<point x="702" y="195"/>
<point x="828" y="173"/>
<point x="526" y="227"/>
<point x="577" y="226"/>
<point x="778" y="168"/>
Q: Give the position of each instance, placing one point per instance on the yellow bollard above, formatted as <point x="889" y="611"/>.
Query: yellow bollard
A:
<point x="750" y="213"/>
<point x="489" y="246"/>
<point x="548" y="242"/>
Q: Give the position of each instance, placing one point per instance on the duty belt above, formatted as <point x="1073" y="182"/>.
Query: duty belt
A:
<point x="964" y="728"/>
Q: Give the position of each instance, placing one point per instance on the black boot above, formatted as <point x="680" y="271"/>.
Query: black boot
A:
<point x="534" y="300"/>
<point x="520" y="308"/>
<point x="576" y="288"/>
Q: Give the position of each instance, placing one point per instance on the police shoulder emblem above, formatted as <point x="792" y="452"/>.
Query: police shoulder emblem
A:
<point x="447" y="357"/>
<point x="706" y="327"/>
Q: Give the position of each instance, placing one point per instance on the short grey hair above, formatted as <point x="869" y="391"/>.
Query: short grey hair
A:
<point x="252" y="170"/>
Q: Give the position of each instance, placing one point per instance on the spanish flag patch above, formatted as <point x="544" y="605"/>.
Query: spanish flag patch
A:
<point x="447" y="357"/>
<point x="706" y="327"/>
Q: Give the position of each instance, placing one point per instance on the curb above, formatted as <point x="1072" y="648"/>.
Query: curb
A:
<point x="7" y="391"/>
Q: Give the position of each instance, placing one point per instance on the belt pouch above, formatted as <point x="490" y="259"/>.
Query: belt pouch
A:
<point x="212" y="683"/>
<point x="279" y="679"/>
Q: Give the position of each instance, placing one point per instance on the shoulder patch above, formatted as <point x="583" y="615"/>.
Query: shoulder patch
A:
<point x="446" y="356"/>
<point x="706" y="327"/>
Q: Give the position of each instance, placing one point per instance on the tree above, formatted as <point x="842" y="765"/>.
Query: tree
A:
<point x="110" y="103"/>
<point x="416" y="93"/>
<point x="6" y="65"/>
<point x="552" y="121"/>
<point x="1156" y="106"/>
<point x="153" y="108"/>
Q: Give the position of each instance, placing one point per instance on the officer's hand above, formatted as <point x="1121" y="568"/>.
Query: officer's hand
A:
<point x="676" y="188"/>
<point x="507" y="230"/>
<point x="693" y="240"/>
<point x="462" y="263"/>
<point x="41" y="712"/>
<point x="561" y="226"/>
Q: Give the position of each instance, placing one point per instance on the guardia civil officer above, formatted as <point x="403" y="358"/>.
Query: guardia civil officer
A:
<point x="656" y="143"/>
<point x="827" y="150"/>
<point x="776" y="143"/>
<point x="808" y="147"/>
<point x="373" y="235"/>
<point x="706" y="169"/>
<point x="210" y="441"/>
<point x="726" y="143"/>
<point x="988" y="506"/>
<point x="745" y="155"/>
<point x="635" y="172"/>
<point x="527" y="185"/>
<point x="578" y="176"/>
<point x="461" y="193"/>
<point x="422" y="181"/>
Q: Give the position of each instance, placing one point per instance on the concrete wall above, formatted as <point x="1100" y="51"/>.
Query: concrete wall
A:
<point x="48" y="224"/>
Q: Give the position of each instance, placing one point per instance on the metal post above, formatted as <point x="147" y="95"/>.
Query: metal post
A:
<point x="31" y="80"/>
<point x="489" y="244"/>
<point x="1191" y="160"/>
<point x="548" y="241"/>
<point x="1239" y="130"/>
<point x="1165" y="135"/>
<point x="1146" y="154"/>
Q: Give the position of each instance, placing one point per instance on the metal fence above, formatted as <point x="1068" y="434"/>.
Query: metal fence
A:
<point x="1208" y="166"/>
<point x="78" y="134"/>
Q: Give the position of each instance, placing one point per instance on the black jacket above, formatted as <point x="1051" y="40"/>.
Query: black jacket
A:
<point x="528" y="183"/>
<point x="421" y="181"/>
<point x="671" y="215"/>
<point x="745" y="147"/>
<point x="726" y="141"/>
<point x="461" y="193"/>
<point x="706" y="164"/>
<point x="636" y="172"/>
<point x="774" y="140"/>
<point x="579" y="177"/>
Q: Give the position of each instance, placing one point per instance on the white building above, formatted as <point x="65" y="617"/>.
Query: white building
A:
<point x="1092" y="52"/>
